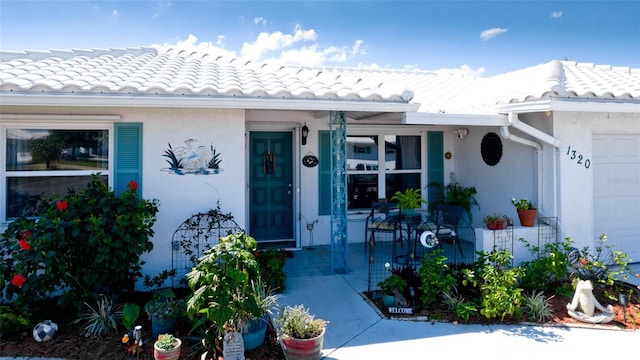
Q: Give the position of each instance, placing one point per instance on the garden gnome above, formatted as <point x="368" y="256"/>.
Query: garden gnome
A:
<point x="583" y="298"/>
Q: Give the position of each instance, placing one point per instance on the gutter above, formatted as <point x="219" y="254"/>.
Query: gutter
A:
<point x="527" y="129"/>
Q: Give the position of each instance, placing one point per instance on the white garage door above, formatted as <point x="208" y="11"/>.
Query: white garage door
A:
<point x="616" y="170"/>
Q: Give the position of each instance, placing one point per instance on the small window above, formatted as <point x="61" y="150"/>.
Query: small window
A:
<point x="43" y="162"/>
<point x="491" y="149"/>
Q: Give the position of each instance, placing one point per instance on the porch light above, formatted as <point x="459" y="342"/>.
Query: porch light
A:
<point x="305" y="133"/>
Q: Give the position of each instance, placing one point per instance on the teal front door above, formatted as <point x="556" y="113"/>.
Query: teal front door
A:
<point x="271" y="187"/>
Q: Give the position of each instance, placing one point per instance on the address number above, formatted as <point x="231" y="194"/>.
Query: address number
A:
<point x="578" y="158"/>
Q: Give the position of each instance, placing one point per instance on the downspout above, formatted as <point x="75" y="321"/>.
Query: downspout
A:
<point x="505" y="133"/>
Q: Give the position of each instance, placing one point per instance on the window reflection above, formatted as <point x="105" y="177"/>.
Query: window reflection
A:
<point x="25" y="194"/>
<point x="42" y="150"/>
<point x="362" y="153"/>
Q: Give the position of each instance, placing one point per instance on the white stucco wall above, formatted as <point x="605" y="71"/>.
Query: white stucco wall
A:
<point x="576" y="182"/>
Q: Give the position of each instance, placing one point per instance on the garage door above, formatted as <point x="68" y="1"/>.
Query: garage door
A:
<point x="616" y="170"/>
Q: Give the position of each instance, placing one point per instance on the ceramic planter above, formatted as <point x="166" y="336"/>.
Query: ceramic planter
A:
<point x="527" y="217"/>
<point x="254" y="336"/>
<point x="388" y="300"/>
<point x="303" y="349"/>
<point x="173" y="354"/>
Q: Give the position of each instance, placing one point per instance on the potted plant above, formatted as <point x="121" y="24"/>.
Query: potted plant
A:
<point x="301" y="333"/>
<point x="526" y="211"/>
<point x="496" y="222"/>
<point x="454" y="194"/>
<point x="163" y="310"/>
<point x="167" y="347"/>
<point x="409" y="200"/>
<point x="222" y="296"/>
<point x="254" y="328"/>
<point x="389" y="286"/>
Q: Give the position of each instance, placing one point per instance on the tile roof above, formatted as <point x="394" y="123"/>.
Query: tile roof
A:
<point x="142" y="72"/>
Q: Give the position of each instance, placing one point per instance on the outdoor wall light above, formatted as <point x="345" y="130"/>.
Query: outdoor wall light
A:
<point x="461" y="133"/>
<point x="305" y="134"/>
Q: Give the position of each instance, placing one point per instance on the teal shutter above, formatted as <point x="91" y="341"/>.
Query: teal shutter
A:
<point x="324" y="173"/>
<point x="435" y="161"/>
<point x="128" y="156"/>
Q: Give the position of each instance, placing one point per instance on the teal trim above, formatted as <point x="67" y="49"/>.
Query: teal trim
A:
<point x="339" y="240"/>
<point x="128" y="156"/>
<point x="324" y="173"/>
<point x="435" y="162"/>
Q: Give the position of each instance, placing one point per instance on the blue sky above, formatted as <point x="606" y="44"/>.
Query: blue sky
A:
<point x="481" y="38"/>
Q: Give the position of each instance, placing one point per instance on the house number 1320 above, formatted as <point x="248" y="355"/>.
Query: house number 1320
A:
<point x="579" y="158"/>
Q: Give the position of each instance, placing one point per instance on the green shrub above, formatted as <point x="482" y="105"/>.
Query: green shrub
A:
<point x="549" y="268"/>
<point x="82" y="245"/>
<point x="13" y="320"/>
<point x="435" y="276"/>
<point x="498" y="283"/>
<point x="271" y="263"/>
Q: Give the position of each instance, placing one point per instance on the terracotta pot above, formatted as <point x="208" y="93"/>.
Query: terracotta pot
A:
<point x="303" y="349"/>
<point x="173" y="354"/>
<point x="527" y="217"/>
<point x="496" y="225"/>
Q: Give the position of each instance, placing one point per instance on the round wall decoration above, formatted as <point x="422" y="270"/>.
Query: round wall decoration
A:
<point x="491" y="149"/>
<point x="310" y="160"/>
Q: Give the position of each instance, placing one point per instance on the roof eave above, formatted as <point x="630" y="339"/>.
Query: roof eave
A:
<point x="572" y="104"/>
<point x="207" y="102"/>
<point x="421" y="118"/>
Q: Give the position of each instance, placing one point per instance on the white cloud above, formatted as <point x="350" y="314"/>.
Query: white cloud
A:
<point x="556" y="14"/>
<point x="191" y="44"/>
<point x="464" y="70"/>
<point x="298" y="48"/>
<point x="161" y="7"/>
<point x="260" y="21"/>
<point x="115" y="13"/>
<point x="491" y="33"/>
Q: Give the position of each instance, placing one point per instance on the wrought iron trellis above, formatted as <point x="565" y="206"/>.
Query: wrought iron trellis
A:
<point x="194" y="236"/>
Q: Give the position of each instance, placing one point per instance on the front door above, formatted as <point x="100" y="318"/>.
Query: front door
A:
<point x="271" y="200"/>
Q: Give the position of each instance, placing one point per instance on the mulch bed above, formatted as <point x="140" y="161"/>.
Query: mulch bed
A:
<point x="560" y="315"/>
<point x="69" y="345"/>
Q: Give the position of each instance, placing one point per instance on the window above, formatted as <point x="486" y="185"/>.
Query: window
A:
<point x="377" y="169"/>
<point x="41" y="162"/>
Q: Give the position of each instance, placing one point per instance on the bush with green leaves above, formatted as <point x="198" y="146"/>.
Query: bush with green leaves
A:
<point x="597" y="266"/>
<point x="13" y="320"/>
<point x="83" y="244"/>
<point x="500" y="295"/>
<point x="549" y="268"/>
<point x="222" y="289"/>
<point x="271" y="262"/>
<point x="435" y="276"/>
<point x="464" y="309"/>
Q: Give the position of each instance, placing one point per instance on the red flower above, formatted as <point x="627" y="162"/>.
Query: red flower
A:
<point x="62" y="205"/>
<point x="18" y="280"/>
<point x="583" y="261"/>
<point x="132" y="185"/>
<point x="24" y="245"/>
<point x="25" y="234"/>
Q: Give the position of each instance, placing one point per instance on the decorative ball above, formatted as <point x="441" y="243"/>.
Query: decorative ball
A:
<point x="45" y="330"/>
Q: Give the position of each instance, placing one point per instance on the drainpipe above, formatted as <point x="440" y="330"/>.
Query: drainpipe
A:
<point x="505" y="133"/>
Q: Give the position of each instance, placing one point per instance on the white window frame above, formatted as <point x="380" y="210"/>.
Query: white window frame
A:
<point x="381" y="132"/>
<point x="52" y="122"/>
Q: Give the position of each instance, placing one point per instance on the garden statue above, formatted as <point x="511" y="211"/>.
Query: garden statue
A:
<point x="132" y="341"/>
<point x="588" y="303"/>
